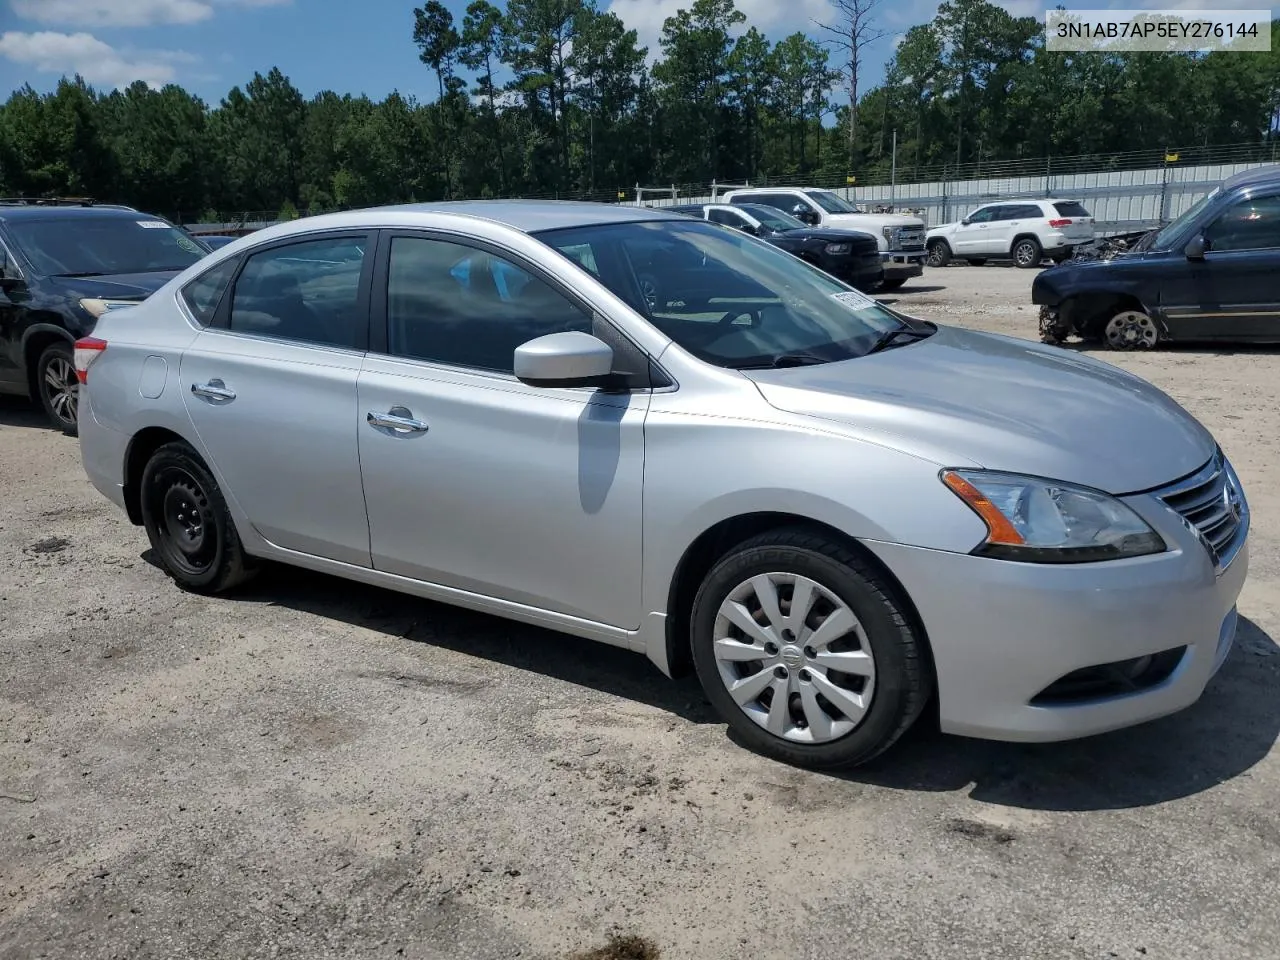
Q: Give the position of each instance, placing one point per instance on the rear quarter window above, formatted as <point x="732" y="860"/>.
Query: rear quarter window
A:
<point x="1070" y="208"/>
<point x="203" y="294"/>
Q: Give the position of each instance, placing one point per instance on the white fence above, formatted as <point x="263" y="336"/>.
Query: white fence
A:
<point x="1120" y="201"/>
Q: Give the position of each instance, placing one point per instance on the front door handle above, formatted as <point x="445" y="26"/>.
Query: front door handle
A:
<point x="397" y="420"/>
<point x="215" y="391"/>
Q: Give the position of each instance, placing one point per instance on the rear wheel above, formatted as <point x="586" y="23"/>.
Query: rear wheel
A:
<point x="1131" y="330"/>
<point x="59" y="387"/>
<point x="939" y="253"/>
<point x="188" y="524"/>
<point x="806" y="653"/>
<point x="1027" y="253"/>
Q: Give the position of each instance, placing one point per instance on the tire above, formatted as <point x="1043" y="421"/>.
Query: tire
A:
<point x="1026" y="253"/>
<point x="939" y="253"/>
<point x="1130" y="330"/>
<point x="893" y="284"/>
<point x="58" y="387"/>
<point x="181" y="508"/>
<point x="977" y="263"/>
<point x="898" y="685"/>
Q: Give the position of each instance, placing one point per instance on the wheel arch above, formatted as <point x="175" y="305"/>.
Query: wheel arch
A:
<point x="35" y="341"/>
<point x="140" y="449"/>
<point x="1025" y="235"/>
<point x="1088" y="312"/>
<point x="716" y="541"/>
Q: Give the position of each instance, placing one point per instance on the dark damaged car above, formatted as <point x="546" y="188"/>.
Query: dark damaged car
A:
<point x="1210" y="275"/>
<point x="63" y="267"/>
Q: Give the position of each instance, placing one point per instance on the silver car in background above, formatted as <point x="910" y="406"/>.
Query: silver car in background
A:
<point x="832" y="511"/>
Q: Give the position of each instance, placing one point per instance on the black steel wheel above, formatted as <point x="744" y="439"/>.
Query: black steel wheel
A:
<point x="188" y="524"/>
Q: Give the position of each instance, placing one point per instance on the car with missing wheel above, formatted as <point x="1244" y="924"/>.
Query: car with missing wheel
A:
<point x="834" y="513"/>
<point x="62" y="266"/>
<point x="1210" y="275"/>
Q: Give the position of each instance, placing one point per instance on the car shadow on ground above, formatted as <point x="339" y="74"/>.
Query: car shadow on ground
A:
<point x="20" y="412"/>
<point x="908" y="288"/>
<point x="1232" y="728"/>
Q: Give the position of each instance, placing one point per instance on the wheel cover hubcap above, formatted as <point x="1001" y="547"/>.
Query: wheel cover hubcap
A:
<point x="794" y="658"/>
<point x="1132" y="330"/>
<point x="62" y="387"/>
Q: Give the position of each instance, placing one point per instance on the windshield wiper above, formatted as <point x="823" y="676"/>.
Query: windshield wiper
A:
<point x="890" y="338"/>
<point x="783" y="360"/>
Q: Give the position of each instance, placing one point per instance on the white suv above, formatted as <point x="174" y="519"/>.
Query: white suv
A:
<point x="901" y="239"/>
<point x="1025" y="231"/>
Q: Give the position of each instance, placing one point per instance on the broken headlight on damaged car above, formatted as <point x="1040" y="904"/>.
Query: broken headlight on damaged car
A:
<point x="1042" y="521"/>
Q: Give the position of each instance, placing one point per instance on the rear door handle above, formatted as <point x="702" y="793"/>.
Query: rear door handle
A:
<point x="397" y="420"/>
<point x="215" y="391"/>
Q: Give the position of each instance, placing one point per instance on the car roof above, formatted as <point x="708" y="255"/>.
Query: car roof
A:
<point x="18" y="213"/>
<point x="1263" y="174"/>
<point x="531" y="216"/>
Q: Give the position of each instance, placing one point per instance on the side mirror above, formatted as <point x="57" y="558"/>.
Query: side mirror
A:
<point x="1196" y="247"/>
<point x="569" y="359"/>
<point x="965" y="222"/>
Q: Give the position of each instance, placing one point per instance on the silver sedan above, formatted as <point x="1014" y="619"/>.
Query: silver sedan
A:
<point x="671" y="437"/>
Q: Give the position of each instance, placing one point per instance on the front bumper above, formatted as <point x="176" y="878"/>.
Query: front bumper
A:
<point x="902" y="265"/>
<point x="1002" y="633"/>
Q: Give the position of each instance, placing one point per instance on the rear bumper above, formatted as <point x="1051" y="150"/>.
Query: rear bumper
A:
<point x="900" y="265"/>
<point x="102" y="451"/>
<point x="1005" y="634"/>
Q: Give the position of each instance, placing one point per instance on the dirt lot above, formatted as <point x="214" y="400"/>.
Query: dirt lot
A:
<point x="318" y="769"/>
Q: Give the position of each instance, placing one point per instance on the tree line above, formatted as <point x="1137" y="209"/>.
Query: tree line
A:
<point x="558" y="98"/>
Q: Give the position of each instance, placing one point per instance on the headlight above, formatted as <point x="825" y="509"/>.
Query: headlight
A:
<point x="838" y="249"/>
<point x="1043" y="521"/>
<point x="96" y="306"/>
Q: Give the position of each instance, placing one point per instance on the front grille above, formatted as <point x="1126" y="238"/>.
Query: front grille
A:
<point x="1212" y="504"/>
<point x="907" y="238"/>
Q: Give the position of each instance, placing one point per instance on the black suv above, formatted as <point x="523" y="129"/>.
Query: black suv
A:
<point x="1211" y="274"/>
<point x="62" y="265"/>
<point x="848" y="255"/>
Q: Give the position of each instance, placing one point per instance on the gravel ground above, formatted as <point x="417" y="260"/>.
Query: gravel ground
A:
<point x="318" y="769"/>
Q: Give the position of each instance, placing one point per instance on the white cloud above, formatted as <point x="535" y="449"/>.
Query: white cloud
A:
<point x="125" y="13"/>
<point x="772" y="17"/>
<point x="100" y="64"/>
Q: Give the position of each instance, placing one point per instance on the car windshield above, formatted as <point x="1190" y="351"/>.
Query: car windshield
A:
<point x="774" y="219"/>
<point x="831" y="202"/>
<point x="104" y="246"/>
<point x="1169" y="235"/>
<point x="726" y="297"/>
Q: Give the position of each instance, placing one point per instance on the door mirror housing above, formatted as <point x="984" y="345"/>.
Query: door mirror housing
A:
<point x="1196" y="247"/>
<point x="569" y="359"/>
<point x="965" y="222"/>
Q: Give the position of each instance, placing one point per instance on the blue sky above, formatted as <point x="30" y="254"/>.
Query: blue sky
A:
<point x="364" y="46"/>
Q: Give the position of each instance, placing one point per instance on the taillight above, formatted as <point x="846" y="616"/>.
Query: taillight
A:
<point x="88" y="349"/>
<point x="1059" y="223"/>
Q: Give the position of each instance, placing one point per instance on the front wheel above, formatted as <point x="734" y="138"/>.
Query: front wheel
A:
<point x="1131" y="330"/>
<point x="806" y="653"/>
<point x="939" y="253"/>
<point x="188" y="524"/>
<point x="59" y="387"/>
<point x="1027" y="253"/>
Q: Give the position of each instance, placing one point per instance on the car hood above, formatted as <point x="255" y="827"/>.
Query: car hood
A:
<point x="830" y="236"/>
<point x="944" y="227"/>
<point x="851" y="220"/>
<point x="124" y="286"/>
<point x="963" y="398"/>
